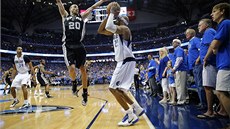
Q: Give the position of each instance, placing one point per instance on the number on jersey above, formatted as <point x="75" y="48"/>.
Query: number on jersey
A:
<point x="74" y="25"/>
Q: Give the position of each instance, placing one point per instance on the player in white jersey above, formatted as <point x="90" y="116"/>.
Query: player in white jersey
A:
<point x="123" y="75"/>
<point x="73" y="49"/>
<point x="22" y="65"/>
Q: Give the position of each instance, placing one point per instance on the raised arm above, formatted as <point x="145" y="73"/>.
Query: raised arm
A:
<point x="61" y="8"/>
<point x="90" y="9"/>
<point x="102" y="30"/>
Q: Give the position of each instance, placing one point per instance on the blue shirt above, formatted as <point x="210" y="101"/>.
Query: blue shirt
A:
<point x="193" y="51"/>
<point x="223" y="54"/>
<point x="172" y="58"/>
<point x="186" y="61"/>
<point x="142" y="74"/>
<point x="179" y="52"/>
<point x="204" y="45"/>
<point x="171" y="79"/>
<point x="152" y="72"/>
<point x="162" y="65"/>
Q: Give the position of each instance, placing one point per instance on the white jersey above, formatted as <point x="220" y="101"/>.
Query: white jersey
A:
<point x="122" y="48"/>
<point x="21" y="64"/>
<point x="137" y="71"/>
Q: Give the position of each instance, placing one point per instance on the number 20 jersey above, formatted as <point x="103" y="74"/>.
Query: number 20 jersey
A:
<point x="73" y="30"/>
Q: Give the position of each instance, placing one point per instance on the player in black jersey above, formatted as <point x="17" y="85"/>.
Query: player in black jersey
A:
<point x="6" y="78"/>
<point x="43" y="81"/>
<point x="73" y="49"/>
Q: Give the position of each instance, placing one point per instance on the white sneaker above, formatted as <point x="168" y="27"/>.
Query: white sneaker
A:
<point x="14" y="103"/>
<point x="172" y="103"/>
<point x="132" y="119"/>
<point x="36" y="94"/>
<point x="139" y="111"/>
<point x="25" y="106"/>
<point x="181" y="102"/>
<point x="163" y="101"/>
<point x="40" y="93"/>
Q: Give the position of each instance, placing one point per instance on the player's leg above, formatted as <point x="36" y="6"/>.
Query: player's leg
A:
<point x="15" y="83"/>
<point x="69" y="57"/>
<point x="137" y="109"/>
<point x="24" y="84"/>
<point x="25" y="95"/>
<point x="4" y="91"/>
<point x="84" y="79"/>
<point x="47" y="88"/>
<point x="130" y="118"/>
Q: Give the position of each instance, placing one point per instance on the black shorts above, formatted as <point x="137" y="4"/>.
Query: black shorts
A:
<point x="75" y="56"/>
<point x="42" y="81"/>
<point x="8" y="81"/>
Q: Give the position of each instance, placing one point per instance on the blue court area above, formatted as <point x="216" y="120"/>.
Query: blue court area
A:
<point x="165" y="116"/>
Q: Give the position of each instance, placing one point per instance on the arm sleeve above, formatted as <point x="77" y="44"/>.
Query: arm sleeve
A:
<point x="26" y="59"/>
<point x="110" y="25"/>
<point x="178" y="62"/>
<point x="208" y="37"/>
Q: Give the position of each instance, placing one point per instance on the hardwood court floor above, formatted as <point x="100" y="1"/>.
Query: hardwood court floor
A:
<point x="79" y="117"/>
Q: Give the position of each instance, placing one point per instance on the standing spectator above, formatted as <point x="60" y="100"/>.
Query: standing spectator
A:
<point x="136" y="77"/>
<point x="194" y="63"/>
<point x="221" y="47"/>
<point x="171" y="80"/>
<point x="180" y="70"/>
<point x="162" y="77"/>
<point x="151" y="75"/>
<point x="209" y="72"/>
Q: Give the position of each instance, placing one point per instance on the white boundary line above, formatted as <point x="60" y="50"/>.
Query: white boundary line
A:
<point x="151" y="126"/>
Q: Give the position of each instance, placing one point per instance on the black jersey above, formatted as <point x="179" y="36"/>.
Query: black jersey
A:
<point x="73" y="30"/>
<point x="8" y="77"/>
<point x="39" y="72"/>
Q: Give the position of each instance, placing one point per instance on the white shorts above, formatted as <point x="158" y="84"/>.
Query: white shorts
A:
<point x="164" y="84"/>
<point x="223" y="80"/>
<point x="21" y="79"/>
<point x="123" y="75"/>
<point x="172" y="85"/>
<point x="209" y="76"/>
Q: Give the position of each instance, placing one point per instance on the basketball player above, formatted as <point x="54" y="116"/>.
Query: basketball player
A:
<point x="21" y="66"/>
<point x="123" y="75"/>
<point x="43" y="81"/>
<point x="37" y="90"/>
<point x="6" y="78"/>
<point x="73" y="49"/>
